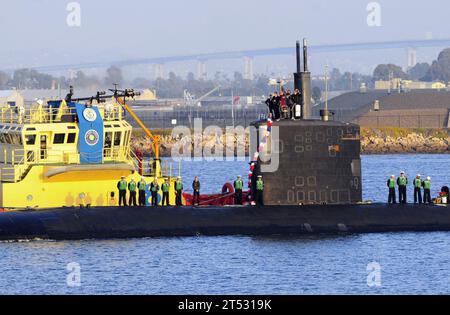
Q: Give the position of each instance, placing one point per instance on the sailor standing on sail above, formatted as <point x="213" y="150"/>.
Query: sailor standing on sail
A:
<point x="269" y="103"/>
<point x="297" y="100"/>
<point x="276" y="106"/>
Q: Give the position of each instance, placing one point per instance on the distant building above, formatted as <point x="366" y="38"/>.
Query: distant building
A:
<point x="378" y="108"/>
<point x="146" y="95"/>
<point x="398" y="83"/>
<point x="12" y="98"/>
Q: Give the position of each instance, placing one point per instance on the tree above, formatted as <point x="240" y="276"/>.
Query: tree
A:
<point x="31" y="79"/>
<point x="339" y="81"/>
<point x="419" y="71"/>
<point x="346" y="81"/>
<point x="383" y="72"/>
<point x="114" y="76"/>
<point x="82" y="80"/>
<point x="440" y="69"/>
<point x="4" y="79"/>
<point x="217" y="76"/>
<point x="316" y="94"/>
<point x="262" y="85"/>
<point x="141" y="83"/>
<point x="190" y="77"/>
<point x="359" y="79"/>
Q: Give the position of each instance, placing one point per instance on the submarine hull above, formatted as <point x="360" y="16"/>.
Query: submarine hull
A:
<point x="129" y="222"/>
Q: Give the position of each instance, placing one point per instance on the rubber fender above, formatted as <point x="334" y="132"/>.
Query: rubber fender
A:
<point x="227" y="188"/>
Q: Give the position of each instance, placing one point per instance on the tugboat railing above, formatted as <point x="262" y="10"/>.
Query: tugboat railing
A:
<point x="149" y="167"/>
<point x="46" y="115"/>
<point x="12" y="157"/>
<point x="40" y="156"/>
<point x="35" y="115"/>
<point x="138" y="163"/>
<point x="8" y="174"/>
<point x="113" y="154"/>
<point x="15" y="163"/>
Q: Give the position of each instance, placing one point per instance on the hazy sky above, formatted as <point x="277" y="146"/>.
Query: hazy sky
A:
<point x="35" y="32"/>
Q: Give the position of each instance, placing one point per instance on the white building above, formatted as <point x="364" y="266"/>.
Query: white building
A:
<point x="12" y="98"/>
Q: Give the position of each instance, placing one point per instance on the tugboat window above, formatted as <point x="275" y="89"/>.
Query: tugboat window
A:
<point x="108" y="139"/>
<point x="59" y="138"/>
<point x="117" y="137"/>
<point x="30" y="139"/>
<point x="71" y="137"/>
<point x="30" y="156"/>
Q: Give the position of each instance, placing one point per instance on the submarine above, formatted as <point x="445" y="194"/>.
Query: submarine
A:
<point x="312" y="185"/>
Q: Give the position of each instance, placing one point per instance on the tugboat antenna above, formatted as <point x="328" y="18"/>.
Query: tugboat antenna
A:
<point x="101" y="96"/>
<point x="115" y="89"/>
<point x="69" y="95"/>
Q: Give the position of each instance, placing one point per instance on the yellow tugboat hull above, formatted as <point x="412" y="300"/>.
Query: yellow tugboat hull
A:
<point x="69" y="186"/>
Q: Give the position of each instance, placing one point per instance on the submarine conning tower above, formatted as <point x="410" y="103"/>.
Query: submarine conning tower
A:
<point x="311" y="161"/>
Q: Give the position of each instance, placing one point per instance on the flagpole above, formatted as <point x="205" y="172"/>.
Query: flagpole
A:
<point x="232" y="106"/>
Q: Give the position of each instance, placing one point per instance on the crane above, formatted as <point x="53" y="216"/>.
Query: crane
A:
<point x="155" y="140"/>
<point x="190" y="99"/>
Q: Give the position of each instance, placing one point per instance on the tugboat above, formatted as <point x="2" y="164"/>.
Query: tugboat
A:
<point x="72" y="152"/>
<point x="60" y="165"/>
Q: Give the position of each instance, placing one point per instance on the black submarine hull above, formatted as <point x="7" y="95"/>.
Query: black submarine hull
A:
<point x="129" y="222"/>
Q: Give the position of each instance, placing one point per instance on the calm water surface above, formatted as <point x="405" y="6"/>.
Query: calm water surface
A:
<point x="414" y="263"/>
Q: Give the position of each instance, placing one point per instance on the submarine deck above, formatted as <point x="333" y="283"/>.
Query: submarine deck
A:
<point x="129" y="222"/>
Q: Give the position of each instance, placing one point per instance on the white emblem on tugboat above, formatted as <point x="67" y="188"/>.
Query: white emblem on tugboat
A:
<point x="91" y="137"/>
<point x="89" y="114"/>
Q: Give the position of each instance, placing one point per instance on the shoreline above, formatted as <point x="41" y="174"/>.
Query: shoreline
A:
<point x="373" y="142"/>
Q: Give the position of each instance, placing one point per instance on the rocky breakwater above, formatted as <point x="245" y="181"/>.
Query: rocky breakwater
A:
<point x="221" y="145"/>
<point x="411" y="143"/>
<point x="373" y="141"/>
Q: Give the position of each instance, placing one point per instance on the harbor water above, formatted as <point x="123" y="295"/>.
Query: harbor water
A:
<point x="405" y="263"/>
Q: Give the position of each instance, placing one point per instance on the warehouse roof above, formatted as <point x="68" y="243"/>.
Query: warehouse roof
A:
<point x="357" y="103"/>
